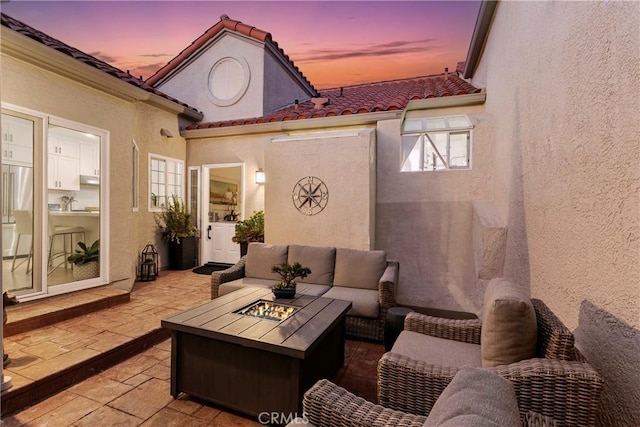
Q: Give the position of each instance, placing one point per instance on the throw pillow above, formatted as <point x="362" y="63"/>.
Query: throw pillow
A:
<point x="475" y="397"/>
<point x="509" y="328"/>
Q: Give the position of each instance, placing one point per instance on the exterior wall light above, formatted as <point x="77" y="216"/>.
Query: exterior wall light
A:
<point x="166" y="132"/>
<point x="260" y="176"/>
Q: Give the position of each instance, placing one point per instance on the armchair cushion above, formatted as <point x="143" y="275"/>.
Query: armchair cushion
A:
<point x="436" y="351"/>
<point x="261" y="257"/>
<point x="475" y="397"/>
<point x="359" y="269"/>
<point x="319" y="259"/>
<point x="509" y="328"/>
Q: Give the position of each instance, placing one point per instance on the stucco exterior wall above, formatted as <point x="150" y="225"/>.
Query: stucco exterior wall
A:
<point x="191" y="84"/>
<point x="31" y="87"/>
<point x="344" y="163"/>
<point x="425" y="219"/>
<point x="563" y="83"/>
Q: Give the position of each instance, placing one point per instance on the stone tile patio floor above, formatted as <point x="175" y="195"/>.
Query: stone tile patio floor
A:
<point x="136" y="390"/>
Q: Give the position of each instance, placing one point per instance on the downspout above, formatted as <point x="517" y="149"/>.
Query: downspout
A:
<point x="479" y="38"/>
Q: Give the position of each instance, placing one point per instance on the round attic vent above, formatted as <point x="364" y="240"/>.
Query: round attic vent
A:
<point x="228" y="81"/>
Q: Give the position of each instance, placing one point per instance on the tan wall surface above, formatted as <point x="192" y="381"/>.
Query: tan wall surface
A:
<point x="424" y="219"/>
<point x="563" y="87"/>
<point x="344" y="164"/>
<point x="30" y="87"/>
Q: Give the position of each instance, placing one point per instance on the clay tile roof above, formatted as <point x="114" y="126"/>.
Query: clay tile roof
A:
<point x="228" y="24"/>
<point x="364" y="98"/>
<point x="40" y="37"/>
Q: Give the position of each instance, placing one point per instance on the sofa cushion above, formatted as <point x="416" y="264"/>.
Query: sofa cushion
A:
<point x="320" y="260"/>
<point x="359" y="269"/>
<point x="261" y="257"/>
<point x="476" y="397"/>
<point x="509" y="328"/>
<point x="312" y="289"/>
<point x="234" y="285"/>
<point x="437" y="351"/>
<point x="364" y="302"/>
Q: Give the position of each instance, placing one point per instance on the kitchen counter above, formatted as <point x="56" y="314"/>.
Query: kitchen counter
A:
<point x="74" y="213"/>
<point x="89" y="220"/>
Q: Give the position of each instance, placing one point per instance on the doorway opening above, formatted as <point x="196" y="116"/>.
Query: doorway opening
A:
<point x="223" y="200"/>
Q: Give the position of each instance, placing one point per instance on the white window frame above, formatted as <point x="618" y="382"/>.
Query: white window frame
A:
<point x="135" y="180"/>
<point x="166" y="180"/>
<point x="426" y="130"/>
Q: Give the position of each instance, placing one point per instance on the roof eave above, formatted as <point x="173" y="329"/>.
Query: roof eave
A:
<point x="479" y="37"/>
<point x="33" y="52"/>
<point x="292" y="125"/>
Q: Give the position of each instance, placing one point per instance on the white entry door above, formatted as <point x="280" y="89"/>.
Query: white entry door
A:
<point x="223" y="201"/>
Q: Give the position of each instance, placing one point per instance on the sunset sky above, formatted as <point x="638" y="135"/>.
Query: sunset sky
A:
<point x="334" y="43"/>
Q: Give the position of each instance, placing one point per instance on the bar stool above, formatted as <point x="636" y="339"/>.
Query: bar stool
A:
<point x="64" y="231"/>
<point x="24" y="226"/>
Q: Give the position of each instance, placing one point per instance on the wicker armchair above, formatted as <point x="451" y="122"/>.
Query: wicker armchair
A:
<point x="328" y="405"/>
<point x="557" y="383"/>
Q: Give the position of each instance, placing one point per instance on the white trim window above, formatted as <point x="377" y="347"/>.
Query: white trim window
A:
<point x="436" y="144"/>
<point x="166" y="177"/>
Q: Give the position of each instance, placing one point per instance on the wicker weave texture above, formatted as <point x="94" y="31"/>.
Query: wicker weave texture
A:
<point x="554" y="385"/>
<point x="234" y="272"/>
<point x="465" y="330"/>
<point x="328" y="405"/>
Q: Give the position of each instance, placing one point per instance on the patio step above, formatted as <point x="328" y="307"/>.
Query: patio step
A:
<point x="36" y="316"/>
<point x="31" y="315"/>
<point x="22" y="395"/>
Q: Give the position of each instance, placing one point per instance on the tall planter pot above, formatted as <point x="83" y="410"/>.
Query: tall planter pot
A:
<point x="244" y="246"/>
<point x="182" y="255"/>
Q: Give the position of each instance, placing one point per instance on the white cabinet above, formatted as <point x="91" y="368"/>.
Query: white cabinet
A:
<point x="90" y="158"/>
<point x="224" y="249"/>
<point x="17" y="141"/>
<point x="64" y="165"/>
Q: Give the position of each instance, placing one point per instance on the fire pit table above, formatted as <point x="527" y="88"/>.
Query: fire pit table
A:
<point x="252" y="353"/>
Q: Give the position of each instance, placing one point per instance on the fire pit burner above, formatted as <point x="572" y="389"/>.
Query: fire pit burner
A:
<point x="267" y="310"/>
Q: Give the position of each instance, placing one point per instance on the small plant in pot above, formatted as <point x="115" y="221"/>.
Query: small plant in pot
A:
<point x="288" y="273"/>
<point x="86" y="261"/>
<point x="249" y="230"/>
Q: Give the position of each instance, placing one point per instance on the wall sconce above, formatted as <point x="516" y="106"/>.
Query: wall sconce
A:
<point x="166" y="132"/>
<point x="260" y="176"/>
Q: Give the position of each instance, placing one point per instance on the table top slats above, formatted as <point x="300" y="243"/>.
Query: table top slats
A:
<point x="227" y="301"/>
<point x="329" y="314"/>
<point x="294" y="323"/>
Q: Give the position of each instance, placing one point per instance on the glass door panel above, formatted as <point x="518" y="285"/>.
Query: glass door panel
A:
<point x="73" y="200"/>
<point x="18" y="135"/>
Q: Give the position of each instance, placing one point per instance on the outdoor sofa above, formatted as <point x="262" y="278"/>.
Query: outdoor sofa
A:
<point x="365" y="278"/>
<point x="517" y="338"/>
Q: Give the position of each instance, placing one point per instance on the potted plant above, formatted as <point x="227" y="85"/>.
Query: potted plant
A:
<point x="86" y="261"/>
<point x="249" y="230"/>
<point x="177" y="228"/>
<point x="288" y="273"/>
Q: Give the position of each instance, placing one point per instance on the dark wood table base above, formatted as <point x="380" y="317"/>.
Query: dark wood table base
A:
<point x="251" y="375"/>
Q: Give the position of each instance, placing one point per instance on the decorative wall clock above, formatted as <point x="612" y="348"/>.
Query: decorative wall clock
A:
<point x="310" y="195"/>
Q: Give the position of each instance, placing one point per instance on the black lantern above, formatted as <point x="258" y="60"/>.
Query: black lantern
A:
<point x="148" y="264"/>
